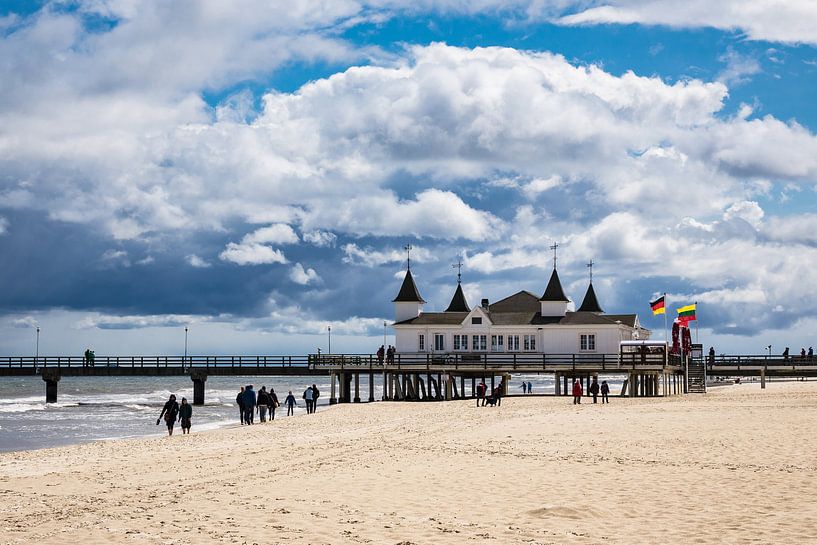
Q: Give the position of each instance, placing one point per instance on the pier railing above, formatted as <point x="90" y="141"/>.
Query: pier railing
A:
<point x="202" y="362"/>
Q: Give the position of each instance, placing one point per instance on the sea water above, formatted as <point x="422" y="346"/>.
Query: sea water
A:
<point x="95" y="408"/>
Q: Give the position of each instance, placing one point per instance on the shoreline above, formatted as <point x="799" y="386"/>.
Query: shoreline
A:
<point x="535" y="470"/>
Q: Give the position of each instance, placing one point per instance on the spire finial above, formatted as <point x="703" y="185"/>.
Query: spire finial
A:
<point x="408" y="249"/>
<point x="553" y="247"/>
<point x="590" y="266"/>
<point x="458" y="266"/>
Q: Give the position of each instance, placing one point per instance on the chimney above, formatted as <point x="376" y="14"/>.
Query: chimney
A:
<point x="485" y="303"/>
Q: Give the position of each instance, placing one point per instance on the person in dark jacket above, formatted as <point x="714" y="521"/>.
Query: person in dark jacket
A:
<point x="263" y="403"/>
<point x="498" y="395"/>
<point x="315" y="395"/>
<point x="481" y="388"/>
<point x="273" y="403"/>
<point x="249" y="404"/>
<point x="307" y="396"/>
<point x="170" y="411"/>
<point x="605" y="391"/>
<point x="185" y="415"/>
<point x="577" y="392"/>
<point x="594" y="389"/>
<point x="290" y="403"/>
<point x="240" y="400"/>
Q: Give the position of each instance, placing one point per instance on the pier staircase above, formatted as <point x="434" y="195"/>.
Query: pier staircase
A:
<point x="697" y="376"/>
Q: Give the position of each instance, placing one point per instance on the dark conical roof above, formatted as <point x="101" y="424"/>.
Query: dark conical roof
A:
<point x="554" y="291"/>
<point x="458" y="302"/>
<point x="408" y="291"/>
<point x="590" y="303"/>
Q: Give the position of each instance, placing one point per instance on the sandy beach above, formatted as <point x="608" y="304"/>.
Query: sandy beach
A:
<point x="734" y="466"/>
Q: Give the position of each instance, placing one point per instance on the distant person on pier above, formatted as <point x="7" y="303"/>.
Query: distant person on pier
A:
<point x="185" y="415"/>
<point x="577" y="392"/>
<point x="240" y="400"/>
<point x="290" y="403"/>
<point x="315" y="395"/>
<point x="810" y="352"/>
<point x="605" y="391"/>
<point x="170" y="412"/>
<point x="263" y="403"/>
<point x="786" y="354"/>
<point x="530" y="387"/>
<point x="594" y="389"/>
<point x="91" y="357"/>
<point x="803" y="353"/>
<point x="273" y="403"/>
<point x="308" y="398"/>
<point x="85" y="357"/>
<point x="481" y="388"/>
<point x="711" y="355"/>
<point x="249" y="404"/>
<point x="381" y="353"/>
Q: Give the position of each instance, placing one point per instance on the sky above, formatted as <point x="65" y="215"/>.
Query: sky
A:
<point x="253" y="170"/>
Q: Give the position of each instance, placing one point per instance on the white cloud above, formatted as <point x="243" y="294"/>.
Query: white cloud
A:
<point x="251" y="254"/>
<point x="371" y="257"/>
<point x="280" y="233"/>
<point x="302" y="276"/>
<point x="320" y="238"/>
<point x="4" y="225"/>
<point x="195" y="261"/>
<point x="739" y="68"/>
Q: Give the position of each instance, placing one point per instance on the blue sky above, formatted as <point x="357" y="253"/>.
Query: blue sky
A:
<point x="253" y="171"/>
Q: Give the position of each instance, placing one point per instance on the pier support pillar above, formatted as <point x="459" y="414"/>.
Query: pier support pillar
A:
<point x="762" y="382"/>
<point x="198" y="378"/>
<point x="564" y="381"/>
<point x="371" y="387"/>
<point x="357" y="388"/>
<point x="51" y="378"/>
<point x="558" y="383"/>
<point x="462" y="386"/>
<point x="416" y="378"/>
<point x="448" y="387"/>
<point x="345" y="387"/>
<point x="332" y="399"/>
<point x="506" y="381"/>
<point x="473" y="386"/>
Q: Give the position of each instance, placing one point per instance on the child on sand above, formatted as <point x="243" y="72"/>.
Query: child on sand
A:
<point x="290" y="403"/>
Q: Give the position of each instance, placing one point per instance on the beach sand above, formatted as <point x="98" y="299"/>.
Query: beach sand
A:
<point x="736" y="465"/>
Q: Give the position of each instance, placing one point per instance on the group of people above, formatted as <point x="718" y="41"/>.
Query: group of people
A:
<point x="172" y="412"/>
<point x="803" y="353"/>
<point x="265" y="402"/>
<point x="387" y="353"/>
<point x="594" y="390"/>
<point x="88" y="358"/>
<point x="495" y="397"/>
<point x="311" y="395"/>
<point x="527" y="387"/>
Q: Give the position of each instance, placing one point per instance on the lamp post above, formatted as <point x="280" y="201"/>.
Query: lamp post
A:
<point x="385" y="387"/>
<point x="329" y="330"/>
<point x="37" y="350"/>
<point x="185" y="347"/>
<point x="384" y="333"/>
<point x="769" y="348"/>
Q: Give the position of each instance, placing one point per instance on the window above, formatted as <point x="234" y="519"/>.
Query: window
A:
<point x="479" y="342"/>
<point x="476" y="321"/>
<point x="439" y="341"/>
<point x="460" y="342"/>
<point x="497" y="343"/>
<point x="529" y="342"/>
<point x="513" y="343"/>
<point x="422" y="343"/>
<point x="587" y="342"/>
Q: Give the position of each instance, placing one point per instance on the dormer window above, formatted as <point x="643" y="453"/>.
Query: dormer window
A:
<point x="477" y="320"/>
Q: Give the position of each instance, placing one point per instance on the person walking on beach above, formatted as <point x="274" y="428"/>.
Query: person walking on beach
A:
<point x="530" y="387"/>
<point x="594" y="389"/>
<point x="481" y="387"/>
<point x="263" y="403"/>
<point x="577" y="392"/>
<point x="308" y="398"/>
<point x="170" y="411"/>
<point x="273" y="403"/>
<point x="315" y="395"/>
<point x="249" y="404"/>
<point x="524" y="387"/>
<point x="240" y="400"/>
<point x="605" y="391"/>
<point x="290" y="403"/>
<point x="185" y="414"/>
<point x="498" y="394"/>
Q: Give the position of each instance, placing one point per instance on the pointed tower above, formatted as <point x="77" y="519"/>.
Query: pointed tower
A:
<point x="553" y="301"/>
<point x="408" y="303"/>
<point x="458" y="302"/>
<point x="590" y="303"/>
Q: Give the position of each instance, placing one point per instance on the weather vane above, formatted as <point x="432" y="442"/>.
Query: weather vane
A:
<point x="408" y="248"/>
<point x="553" y="247"/>
<point x="590" y="266"/>
<point x="458" y="266"/>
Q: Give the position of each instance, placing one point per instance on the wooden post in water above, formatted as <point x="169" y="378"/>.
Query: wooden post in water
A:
<point x="51" y="378"/>
<point x="332" y="398"/>
<point x="558" y="384"/>
<point x="371" y="387"/>
<point x="199" y="378"/>
<point x="357" y="388"/>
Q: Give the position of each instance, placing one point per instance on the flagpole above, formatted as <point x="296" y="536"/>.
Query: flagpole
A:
<point x="696" y="323"/>
<point x="666" y="331"/>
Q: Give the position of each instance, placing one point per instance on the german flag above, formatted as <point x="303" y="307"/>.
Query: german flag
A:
<point x="687" y="313"/>
<point x="657" y="306"/>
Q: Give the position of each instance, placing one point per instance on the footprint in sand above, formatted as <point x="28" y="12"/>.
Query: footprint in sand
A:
<point x="563" y="512"/>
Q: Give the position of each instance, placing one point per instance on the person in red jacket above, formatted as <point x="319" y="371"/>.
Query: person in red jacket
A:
<point x="577" y="392"/>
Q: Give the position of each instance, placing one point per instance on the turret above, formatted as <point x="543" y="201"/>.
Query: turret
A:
<point x="458" y="302"/>
<point x="554" y="302"/>
<point x="408" y="303"/>
<point x="590" y="303"/>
